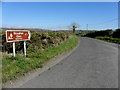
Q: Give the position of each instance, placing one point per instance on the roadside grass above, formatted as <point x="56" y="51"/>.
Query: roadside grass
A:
<point x="0" y="69"/>
<point x="109" y="39"/>
<point x="13" y="67"/>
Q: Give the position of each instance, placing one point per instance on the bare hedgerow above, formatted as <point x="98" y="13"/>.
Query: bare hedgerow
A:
<point x="38" y="41"/>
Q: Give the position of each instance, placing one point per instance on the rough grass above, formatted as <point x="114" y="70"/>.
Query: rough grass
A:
<point x="109" y="39"/>
<point x="0" y="69"/>
<point x="13" y="67"/>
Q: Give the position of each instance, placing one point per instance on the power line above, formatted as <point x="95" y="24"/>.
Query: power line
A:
<point x="107" y="21"/>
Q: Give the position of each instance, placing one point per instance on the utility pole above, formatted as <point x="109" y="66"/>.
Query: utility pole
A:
<point x="87" y="27"/>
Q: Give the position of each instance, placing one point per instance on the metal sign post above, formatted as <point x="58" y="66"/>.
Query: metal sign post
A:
<point x="14" y="49"/>
<point x="25" y="48"/>
<point x="18" y="35"/>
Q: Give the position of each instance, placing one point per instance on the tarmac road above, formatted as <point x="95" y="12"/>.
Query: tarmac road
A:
<point x="94" y="64"/>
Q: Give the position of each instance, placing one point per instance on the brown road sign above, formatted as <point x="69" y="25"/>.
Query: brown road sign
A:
<point x="17" y="35"/>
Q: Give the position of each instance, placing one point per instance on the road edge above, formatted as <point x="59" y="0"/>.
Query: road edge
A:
<point x="105" y="42"/>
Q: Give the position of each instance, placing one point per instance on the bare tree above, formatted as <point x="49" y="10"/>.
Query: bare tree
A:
<point x="73" y="26"/>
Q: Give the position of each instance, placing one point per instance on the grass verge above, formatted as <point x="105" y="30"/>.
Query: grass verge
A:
<point x="109" y="39"/>
<point x="13" y="67"/>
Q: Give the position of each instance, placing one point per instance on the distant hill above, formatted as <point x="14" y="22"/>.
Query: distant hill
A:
<point x="31" y="29"/>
